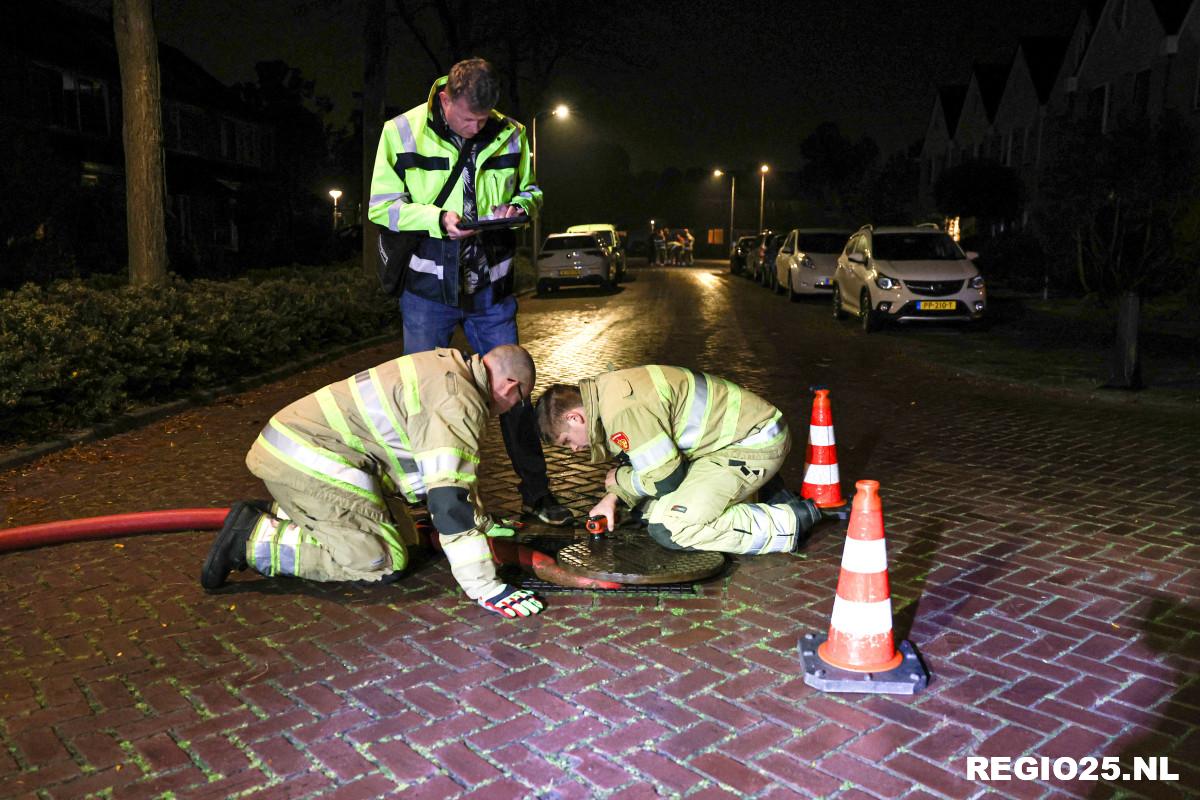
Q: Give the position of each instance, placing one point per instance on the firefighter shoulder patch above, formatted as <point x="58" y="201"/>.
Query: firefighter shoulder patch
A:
<point x="621" y="441"/>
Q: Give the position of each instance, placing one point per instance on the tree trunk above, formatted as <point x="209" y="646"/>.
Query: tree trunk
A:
<point x="374" y="100"/>
<point x="145" y="178"/>
<point x="1126" y="370"/>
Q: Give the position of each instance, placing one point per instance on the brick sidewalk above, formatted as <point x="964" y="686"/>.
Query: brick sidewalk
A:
<point x="1044" y="560"/>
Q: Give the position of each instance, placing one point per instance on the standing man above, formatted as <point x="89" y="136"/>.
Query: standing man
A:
<point x="698" y="447"/>
<point x="455" y="276"/>
<point x="409" y="430"/>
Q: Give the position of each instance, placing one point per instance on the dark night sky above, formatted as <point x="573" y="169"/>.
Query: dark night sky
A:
<point x="726" y="83"/>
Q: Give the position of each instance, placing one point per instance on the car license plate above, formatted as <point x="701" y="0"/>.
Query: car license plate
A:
<point x="567" y="273"/>
<point x="935" y="305"/>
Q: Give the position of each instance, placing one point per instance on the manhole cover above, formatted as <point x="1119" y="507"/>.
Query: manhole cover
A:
<point x="632" y="557"/>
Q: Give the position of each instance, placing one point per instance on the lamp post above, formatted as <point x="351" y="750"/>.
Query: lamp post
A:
<point x="335" y="194"/>
<point x="561" y="111"/>
<point x="732" y="188"/>
<point x="762" y="192"/>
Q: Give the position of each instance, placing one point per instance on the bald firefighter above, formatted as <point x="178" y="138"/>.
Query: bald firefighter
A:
<point x="698" y="448"/>
<point x="407" y="430"/>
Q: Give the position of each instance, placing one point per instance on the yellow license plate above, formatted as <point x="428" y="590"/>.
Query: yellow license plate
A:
<point x="567" y="273"/>
<point x="936" y="305"/>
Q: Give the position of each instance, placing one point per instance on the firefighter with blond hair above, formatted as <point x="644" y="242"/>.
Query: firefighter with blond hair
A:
<point x="699" y="448"/>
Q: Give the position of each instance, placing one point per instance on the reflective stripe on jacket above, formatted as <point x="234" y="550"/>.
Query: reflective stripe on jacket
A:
<point x="413" y="162"/>
<point x="664" y="417"/>
<point x="402" y="427"/>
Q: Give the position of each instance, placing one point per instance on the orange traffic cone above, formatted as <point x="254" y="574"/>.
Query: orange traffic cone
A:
<point x="822" y="484"/>
<point x="859" y="654"/>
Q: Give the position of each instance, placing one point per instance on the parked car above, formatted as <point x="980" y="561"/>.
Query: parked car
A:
<point x="610" y="239"/>
<point x="739" y="253"/>
<point x="574" y="259"/>
<point x="768" y="251"/>
<point x="754" y="256"/>
<point x="807" y="260"/>
<point x="907" y="274"/>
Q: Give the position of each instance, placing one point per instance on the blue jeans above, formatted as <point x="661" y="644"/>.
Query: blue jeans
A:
<point x="487" y="324"/>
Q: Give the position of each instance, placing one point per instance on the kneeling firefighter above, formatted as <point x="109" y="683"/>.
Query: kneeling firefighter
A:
<point x="407" y="430"/>
<point x="699" y="448"/>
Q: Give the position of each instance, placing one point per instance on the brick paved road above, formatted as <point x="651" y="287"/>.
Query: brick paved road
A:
<point x="1044" y="559"/>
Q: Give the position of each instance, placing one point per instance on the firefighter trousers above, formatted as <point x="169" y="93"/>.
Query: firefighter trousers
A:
<point x="709" y="510"/>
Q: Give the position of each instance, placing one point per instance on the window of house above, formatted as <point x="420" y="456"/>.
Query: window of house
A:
<point x="1097" y="106"/>
<point x="1141" y="90"/>
<point x="716" y="236"/>
<point x="93" y="106"/>
<point x="1118" y="15"/>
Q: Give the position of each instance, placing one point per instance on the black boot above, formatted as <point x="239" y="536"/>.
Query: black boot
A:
<point x="807" y="515"/>
<point x="228" y="551"/>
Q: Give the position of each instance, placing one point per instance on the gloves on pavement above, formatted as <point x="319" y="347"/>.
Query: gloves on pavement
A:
<point x="512" y="602"/>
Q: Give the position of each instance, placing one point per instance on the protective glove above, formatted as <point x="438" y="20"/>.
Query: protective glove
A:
<point x="503" y="527"/>
<point x="512" y="602"/>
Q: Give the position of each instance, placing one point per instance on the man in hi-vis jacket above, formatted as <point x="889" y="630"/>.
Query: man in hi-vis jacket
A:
<point x="408" y="429"/>
<point x="698" y="447"/>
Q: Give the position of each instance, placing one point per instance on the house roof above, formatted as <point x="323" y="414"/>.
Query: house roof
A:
<point x="69" y="38"/>
<point x="1044" y="56"/>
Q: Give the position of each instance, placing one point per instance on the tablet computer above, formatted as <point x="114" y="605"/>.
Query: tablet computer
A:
<point x="498" y="223"/>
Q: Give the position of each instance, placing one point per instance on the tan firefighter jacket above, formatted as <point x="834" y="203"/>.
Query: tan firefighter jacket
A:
<point x="663" y="417"/>
<point x="401" y="428"/>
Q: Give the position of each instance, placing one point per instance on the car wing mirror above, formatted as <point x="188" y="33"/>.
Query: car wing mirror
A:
<point x="972" y="255"/>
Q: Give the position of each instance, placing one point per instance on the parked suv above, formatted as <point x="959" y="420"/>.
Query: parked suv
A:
<point x="610" y="239"/>
<point x="904" y="274"/>
<point x="574" y="259"/>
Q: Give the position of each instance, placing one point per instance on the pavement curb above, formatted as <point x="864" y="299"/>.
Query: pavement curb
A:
<point x="201" y="397"/>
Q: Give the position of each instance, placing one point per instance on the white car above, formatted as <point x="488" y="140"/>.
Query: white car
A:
<point x="574" y="259"/>
<point x="610" y="238"/>
<point x="907" y="274"/>
<point x="807" y="260"/>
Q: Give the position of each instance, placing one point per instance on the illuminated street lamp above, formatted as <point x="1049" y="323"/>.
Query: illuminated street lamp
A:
<point x="732" y="187"/>
<point x="762" y="193"/>
<point x="562" y="112"/>
<point x="335" y="194"/>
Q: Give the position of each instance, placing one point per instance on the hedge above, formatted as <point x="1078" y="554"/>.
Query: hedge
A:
<point x="78" y="352"/>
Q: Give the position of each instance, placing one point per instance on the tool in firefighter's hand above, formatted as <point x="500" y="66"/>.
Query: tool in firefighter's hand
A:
<point x="597" y="526"/>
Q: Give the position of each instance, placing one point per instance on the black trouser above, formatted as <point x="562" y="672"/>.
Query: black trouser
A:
<point x="524" y="446"/>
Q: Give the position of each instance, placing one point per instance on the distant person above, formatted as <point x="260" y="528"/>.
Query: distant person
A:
<point x="689" y="245"/>
<point x="660" y="247"/>
<point x="698" y="446"/>
<point x="407" y="430"/>
<point x="674" y="248"/>
<point x="457" y="277"/>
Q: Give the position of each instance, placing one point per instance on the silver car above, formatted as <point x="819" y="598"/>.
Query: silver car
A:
<point x="907" y="274"/>
<point x="574" y="259"/>
<point x="807" y="260"/>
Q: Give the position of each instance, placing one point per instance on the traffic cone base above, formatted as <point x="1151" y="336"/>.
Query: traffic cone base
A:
<point x="909" y="676"/>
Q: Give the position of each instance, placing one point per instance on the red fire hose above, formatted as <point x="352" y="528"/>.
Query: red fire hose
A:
<point x="78" y="530"/>
<point x="211" y="519"/>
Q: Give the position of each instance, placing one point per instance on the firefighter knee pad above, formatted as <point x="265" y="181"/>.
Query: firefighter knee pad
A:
<point x="662" y="535"/>
<point x="451" y="510"/>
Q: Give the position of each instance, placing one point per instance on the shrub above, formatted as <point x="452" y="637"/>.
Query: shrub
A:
<point x="78" y="352"/>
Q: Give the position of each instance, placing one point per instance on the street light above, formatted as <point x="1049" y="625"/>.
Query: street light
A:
<point x="561" y="111"/>
<point x="732" y="186"/>
<point x="762" y="193"/>
<point x="335" y="194"/>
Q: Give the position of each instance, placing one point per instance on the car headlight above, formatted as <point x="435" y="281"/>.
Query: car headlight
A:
<point x="976" y="282"/>
<point x="886" y="282"/>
